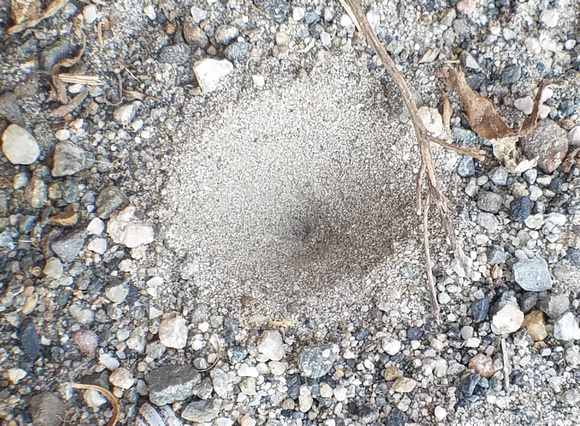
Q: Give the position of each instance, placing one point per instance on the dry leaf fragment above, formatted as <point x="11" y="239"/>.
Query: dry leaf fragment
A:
<point x="504" y="149"/>
<point x="63" y="110"/>
<point x="51" y="10"/>
<point x="532" y="120"/>
<point x="430" y="55"/>
<point x="480" y="111"/>
<point x="89" y="80"/>
<point x="23" y="10"/>
<point x="108" y="395"/>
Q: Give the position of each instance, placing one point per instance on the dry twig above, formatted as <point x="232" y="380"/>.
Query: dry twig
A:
<point x="506" y="374"/>
<point x="426" y="173"/>
<point x="108" y="395"/>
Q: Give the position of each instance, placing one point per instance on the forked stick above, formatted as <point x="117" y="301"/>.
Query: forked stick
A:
<point x="427" y="171"/>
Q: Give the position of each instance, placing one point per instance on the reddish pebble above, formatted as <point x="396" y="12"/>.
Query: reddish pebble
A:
<point x="86" y="341"/>
<point x="483" y="365"/>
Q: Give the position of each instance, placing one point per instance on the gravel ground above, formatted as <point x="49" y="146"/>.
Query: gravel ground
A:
<point x="222" y="230"/>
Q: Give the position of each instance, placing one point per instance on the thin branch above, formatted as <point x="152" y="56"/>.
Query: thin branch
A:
<point x="427" y="175"/>
<point x="429" y="263"/>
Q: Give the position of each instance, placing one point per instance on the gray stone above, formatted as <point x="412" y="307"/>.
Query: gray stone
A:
<point x="548" y="142"/>
<point x="68" y="159"/>
<point x="572" y="356"/>
<point x="225" y="34"/>
<point x="554" y="305"/>
<point x="317" y="361"/>
<point x="35" y="193"/>
<point x="10" y="109"/>
<point x="239" y="51"/>
<point x="172" y="383"/>
<point x="487" y="221"/>
<point x="202" y="411"/>
<point x="496" y="256"/>
<point x="566" y="328"/>
<point x="498" y="176"/>
<point x="177" y="54"/>
<point x="6" y="240"/>
<point x="19" y="146"/>
<point x="69" y="245"/>
<point x="125" y="114"/>
<point x="60" y="50"/>
<point x="489" y="202"/>
<point x="173" y="332"/>
<point x="511" y="75"/>
<point x="109" y="200"/>
<point x="193" y="34"/>
<point x="117" y="293"/>
<point x="532" y="275"/>
<point x="46" y="409"/>
<point x="469" y="61"/>
<point x="466" y="167"/>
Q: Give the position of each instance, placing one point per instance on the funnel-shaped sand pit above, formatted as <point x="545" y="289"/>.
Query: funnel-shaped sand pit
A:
<point x="298" y="196"/>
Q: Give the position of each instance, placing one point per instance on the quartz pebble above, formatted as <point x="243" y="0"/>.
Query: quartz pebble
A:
<point x="210" y="73"/>
<point x="271" y="345"/>
<point x="123" y="229"/>
<point x="173" y="332"/>
<point x="122" y="378"/>
<point x="507" y="320"/>
<point x="566" y="328"/>
<point x="404" y="385"/>
<point x="19" y="146"/>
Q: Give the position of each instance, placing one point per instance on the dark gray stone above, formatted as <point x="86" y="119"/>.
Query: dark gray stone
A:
<point x="520" y="209"/>
<point x="528" y="301"/>
<point x="109" y="200"/>
<point x="293" y="383"/>
<point x="489" y="202"/>
<point x="554" y="305"/>
<point x="414" y="333"/>
<point x="511" y="75"/>
<point x="68" y="246"/>
<point x="466" y="167"/>
<point x="479" y="310"/>
<point x="467" y="386"/>
<point x="475" y="81"/>
<point x="532" y="275"/>
<point x="397" y="418"/>
<point x="172" y="383"/>
<point x="573" y="256"/>
<point x="10" y="110"/>
<point x="317" y="361"/>
<point x="238" y="51"/>
<point x="29" y="339"/>
<point x="177" y="54"/>
<point x="46" y="409"/>
<point x="55" y="53"/>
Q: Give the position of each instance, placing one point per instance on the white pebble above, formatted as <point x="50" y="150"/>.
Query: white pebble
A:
<point x="96" y="227"/>
<point x="258" y="80"/>
<point x="90" y="13"/>
<point x="440" y="413"/>
<point x="62" y="135"/>
<point x="19" y="146"/>
<point x="549" y="18"/>
<point x="524" y="105"/>
<point x="122" y="378"/>
<point x="149" y="11"/>
<point x="298" y="13"/>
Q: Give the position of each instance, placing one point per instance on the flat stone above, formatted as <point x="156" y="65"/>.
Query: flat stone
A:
<point x="202" y="411"/>
<point x="397" y="418"/>
<point x="19" y="146"/>
<point x="173" y="332"/>
<point x="489" y="202"/>
<point x="496" y="256"/>
<point x="172" y="383"/>
<point x="53" y="268"/>
<point x="507" y="320"/>
<point x="548" y="142"/>
<point x="46" y="409"/>
<point x="68" y="159"/>
<point x="317" y="361"/>
<point x="520" y="209"/>
<point x="566" y="328"/>
<point x="36" y="193"/>
<point x="479" y="310"/>
<point x="69" y="245"/>
<point x="122" y="378"/>
<point x="469" y="62"/>
<point x="117" y="293"/>
<point x="176" y="54"/>
<point x="511" y="75"/>
<point x="271" y="345"/>
<point x="210" y="73"/>
<point x="532" y="275"/>
<point x="536" y="325"/>
<point x="404" y="385"/>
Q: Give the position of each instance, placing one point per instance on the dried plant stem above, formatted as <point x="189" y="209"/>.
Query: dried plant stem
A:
<point x="427" y="170"/>
<point x="506" y="374"/>
<point x="108" y="395"/>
